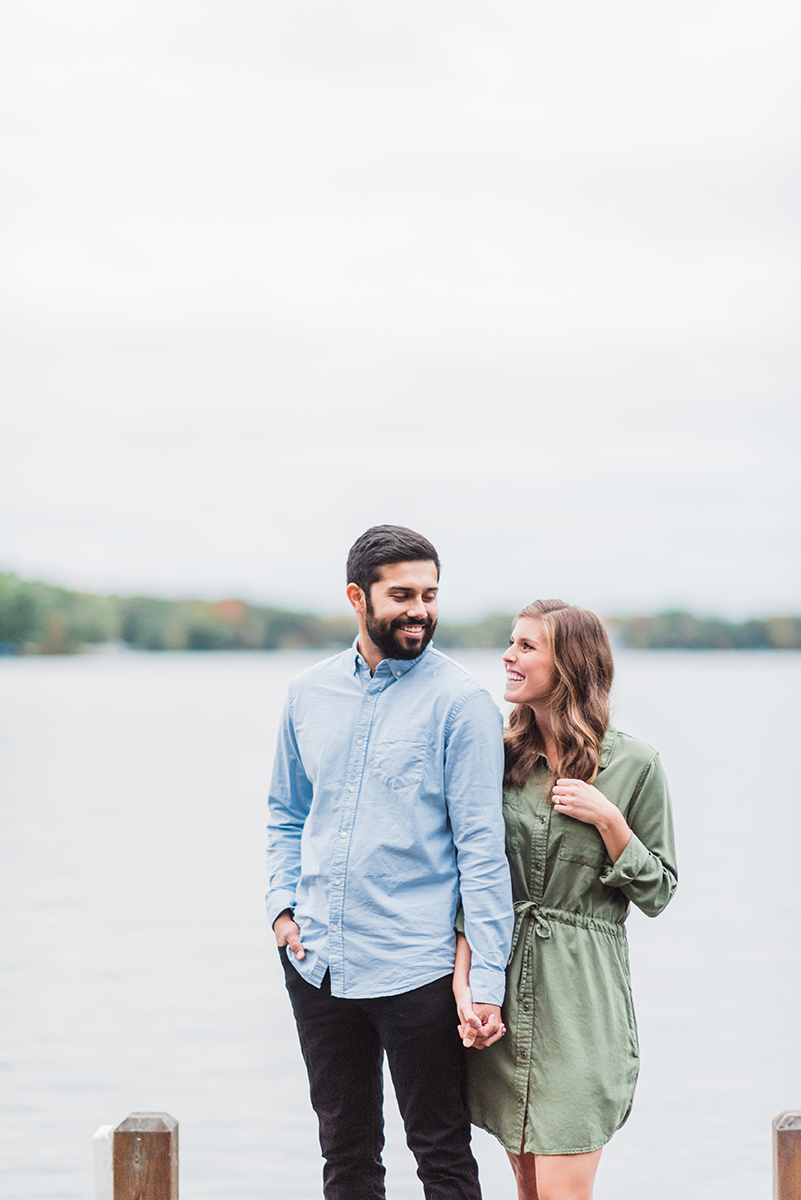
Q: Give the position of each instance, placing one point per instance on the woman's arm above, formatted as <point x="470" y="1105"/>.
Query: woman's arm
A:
<point x="479" y="1024"/>
<point x="581" y="800"/>
<point x="641" y="848"/>
<point x="461" y="991"/>
<point x="461" y="967"/>
<point x="646" y="870"/>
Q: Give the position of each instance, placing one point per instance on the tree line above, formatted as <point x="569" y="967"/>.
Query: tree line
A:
<point x="38" y="618"/>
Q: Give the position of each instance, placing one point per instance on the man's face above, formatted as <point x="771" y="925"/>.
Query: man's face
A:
<point x="401" y="609"/>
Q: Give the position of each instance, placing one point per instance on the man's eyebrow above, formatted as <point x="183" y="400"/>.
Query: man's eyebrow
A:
<point x="399" y="587"/>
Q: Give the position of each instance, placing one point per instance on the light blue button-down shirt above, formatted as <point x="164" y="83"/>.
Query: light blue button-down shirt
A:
<point x="385" y="807"/>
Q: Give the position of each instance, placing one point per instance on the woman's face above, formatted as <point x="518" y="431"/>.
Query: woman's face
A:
<point x="529" y="664"/>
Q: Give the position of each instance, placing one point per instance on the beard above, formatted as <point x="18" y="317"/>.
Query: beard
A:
<point x="387" y="636"/>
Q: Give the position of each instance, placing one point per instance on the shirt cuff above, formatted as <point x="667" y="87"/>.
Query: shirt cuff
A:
<point x="628" y="866"/>
<point x="277" y="902"/>
<point x="487" y="985"/>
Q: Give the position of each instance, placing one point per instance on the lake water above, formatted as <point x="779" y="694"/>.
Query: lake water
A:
<point x="138" y="971"/>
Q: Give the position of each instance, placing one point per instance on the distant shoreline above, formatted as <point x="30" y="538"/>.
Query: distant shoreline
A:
<point x="39" y="618"/>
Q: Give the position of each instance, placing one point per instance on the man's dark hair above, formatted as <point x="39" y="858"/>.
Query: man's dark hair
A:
<point x="384" y="544"/>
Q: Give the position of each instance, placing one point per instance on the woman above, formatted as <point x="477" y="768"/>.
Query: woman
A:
<point x="588" y="831"/>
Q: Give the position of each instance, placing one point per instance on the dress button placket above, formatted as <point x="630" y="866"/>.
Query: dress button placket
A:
<point x="538" y="843"/>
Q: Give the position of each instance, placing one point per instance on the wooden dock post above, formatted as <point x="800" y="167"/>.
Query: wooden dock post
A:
<point x="146" y="1157"/>
<point x="787" y="1156"/>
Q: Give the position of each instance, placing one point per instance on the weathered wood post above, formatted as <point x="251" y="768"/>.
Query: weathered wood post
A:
<point x="787" y="1156"/>
<point x="146" y="1157"/>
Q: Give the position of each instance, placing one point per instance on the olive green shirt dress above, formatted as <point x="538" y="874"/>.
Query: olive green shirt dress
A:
<point x="562" y="1079"/>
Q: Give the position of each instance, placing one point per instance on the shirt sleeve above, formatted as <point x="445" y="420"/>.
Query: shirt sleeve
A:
<point x="646" y="870"/>
<point x="473" y="780"/>
<point x="289" y="804"/>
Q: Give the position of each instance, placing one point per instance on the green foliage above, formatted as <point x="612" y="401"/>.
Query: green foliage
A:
<point x="684" y="631"/>
<point x="490" y="633"/>
<point x="49" y="620"/>
<point x="150" y="624"/>
<point x="36" y="618"/>
<point x="20" y="615"/>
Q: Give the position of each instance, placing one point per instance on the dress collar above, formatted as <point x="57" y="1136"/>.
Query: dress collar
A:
<point x="607" y="749"/>
<point x="608" y="746"/>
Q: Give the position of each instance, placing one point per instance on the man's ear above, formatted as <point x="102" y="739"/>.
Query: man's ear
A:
<point x="356" y="597"/>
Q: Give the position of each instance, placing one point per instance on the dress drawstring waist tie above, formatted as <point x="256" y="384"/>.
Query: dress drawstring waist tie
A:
<point x="531" y="915"/>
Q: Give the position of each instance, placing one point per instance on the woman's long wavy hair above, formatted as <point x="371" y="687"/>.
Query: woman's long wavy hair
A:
<point x="579" y="700"/>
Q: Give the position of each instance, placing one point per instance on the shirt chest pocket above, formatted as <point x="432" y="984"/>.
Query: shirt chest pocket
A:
<point x="399" y="763"/>
<point x="582" y="843"/>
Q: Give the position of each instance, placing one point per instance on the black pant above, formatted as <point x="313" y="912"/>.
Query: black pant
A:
<point x="342" y="1042"/>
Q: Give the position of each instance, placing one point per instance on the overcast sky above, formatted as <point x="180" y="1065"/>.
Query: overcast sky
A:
<point x="522" y="276"/>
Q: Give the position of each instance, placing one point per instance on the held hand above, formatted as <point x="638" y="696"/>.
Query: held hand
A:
<point x="492" y="1027"/>
<point x="469" y="1023"/>
<point x="287" y="933"/>
<point x="479" y="1024"/>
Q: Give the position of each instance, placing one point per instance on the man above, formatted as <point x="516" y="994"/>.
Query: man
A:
<point x="385" y="808"/>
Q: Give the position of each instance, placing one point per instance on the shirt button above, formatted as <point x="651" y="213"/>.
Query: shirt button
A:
<point x="359" y="742"/>
<point x="343" y="834"/>
<point x="337" y="882"/>
<point x="351" y="789"/>
<point x="537" y="866"/>
<point x="542" y="820"/>
<point x="335" y="928"/>
<point x="523" y="1053"/>
<point x="399" y="672"/>
<point x="526" y="1007"/>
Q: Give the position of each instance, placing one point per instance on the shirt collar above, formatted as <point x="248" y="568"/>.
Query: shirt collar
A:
<point x="387" y="666"/>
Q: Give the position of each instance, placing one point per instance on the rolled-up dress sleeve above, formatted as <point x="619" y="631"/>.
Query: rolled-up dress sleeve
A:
<point x="646" y="871"/>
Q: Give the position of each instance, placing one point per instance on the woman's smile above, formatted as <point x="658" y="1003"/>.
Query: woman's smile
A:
<point x="528" y="663"/>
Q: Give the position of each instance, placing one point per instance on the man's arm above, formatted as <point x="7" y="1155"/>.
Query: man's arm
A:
<point x="473" y="780"/>
<point x="289" y="803"/>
